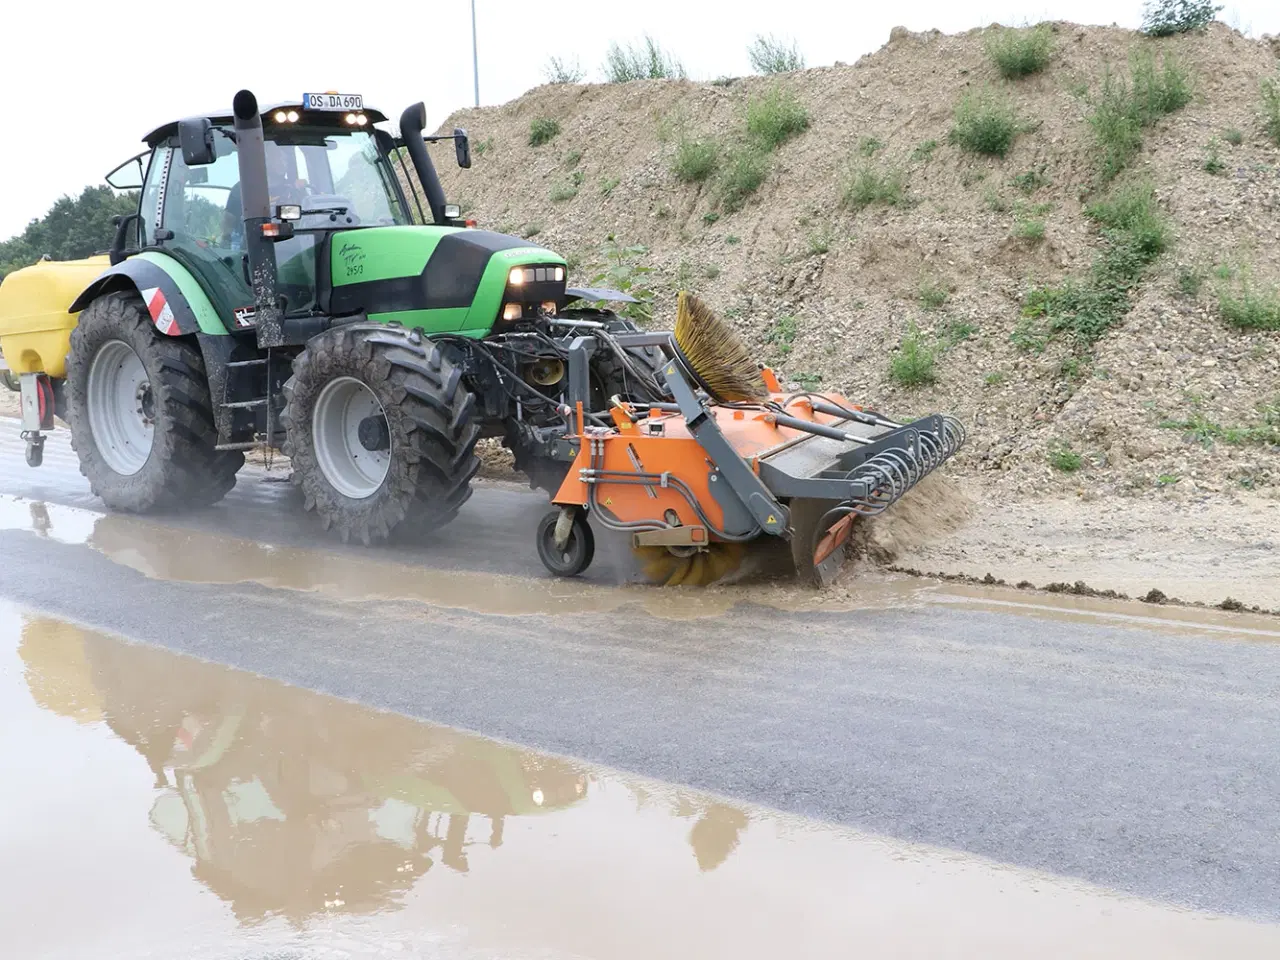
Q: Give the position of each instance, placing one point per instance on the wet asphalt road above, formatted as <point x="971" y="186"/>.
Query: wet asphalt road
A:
<point x="1141" y="760"/>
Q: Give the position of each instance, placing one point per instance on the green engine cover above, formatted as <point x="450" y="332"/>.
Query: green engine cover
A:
<point x="439" y="279"/>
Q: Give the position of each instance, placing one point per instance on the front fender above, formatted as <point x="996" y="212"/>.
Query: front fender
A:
<point x="177" y="303"/>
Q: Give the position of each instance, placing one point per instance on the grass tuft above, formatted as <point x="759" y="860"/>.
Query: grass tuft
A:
<point x="931" y="295"/>
<point x="1124" y="107"/>
<point x="775" y="117"/>
<point x="1233" y="137"/>
<point x="985" y="123"/>
<point x="1063" y="458"/>
<point x="923" y="153"/>
<point x="1019" y="53"/>
<point x="543" y="130"/>
<point x="1248" y="308"/>
<point x="771" y="55"/>
<point x="913" y="363"/>
<point x="644" y="61"/>
<point x="745" y="169"/>
<point x="867" y="184"/>
<point x="696" y="160"/>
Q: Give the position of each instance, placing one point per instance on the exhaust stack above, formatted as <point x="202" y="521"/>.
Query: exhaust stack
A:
<point x="255" y="200"/>
<point x="412" y="121"/>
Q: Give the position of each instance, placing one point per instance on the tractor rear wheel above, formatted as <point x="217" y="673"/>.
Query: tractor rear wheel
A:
<point x="140" y="413"/>
<point x="381" y="432"/>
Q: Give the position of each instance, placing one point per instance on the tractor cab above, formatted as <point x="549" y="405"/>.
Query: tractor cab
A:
<point x="327" y="169"/>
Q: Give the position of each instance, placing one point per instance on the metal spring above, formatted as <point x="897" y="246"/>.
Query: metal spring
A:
<point x="894" y="472"/>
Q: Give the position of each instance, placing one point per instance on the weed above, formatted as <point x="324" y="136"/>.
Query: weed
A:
<point x="775" y="117"/>
<point x="577" y="178"/>
<point x="819" y="242"/>
<point x="564" y="70"/>
<point x="1125" y="107"/>
<point x="783" y="334"/>
<point x="664" y="211"/>
<point x="869" y="146"/>
<point x="958" y="331"/>
<point x="1072" y="368"/>
<point x="1131" y="218"/>
<point x="1167" y="479"/>
<point x="1028" y="336"/>
<point x="1030" y="229"/>
<point x="684" y="273"/>
<point x="645" y="61"/>
<point x="1249" y="308"/>
<point x="732" y="241"/>
<point x="530" y="230"/>
<point x="771" y="55"/>
<point x="1271" y="109"/>
<point x="931" y="295"/>
<point x="807" y="380"/>
<point x="1031" y="181"/>
<point x="1200" y="429"/>
<point x="744" y="171"/>
<point x="572" y="260"/>
<point x="711" y="271"/>
<point x="723" y="82"/>
<point x="1019" y="53"/>
<point x="923" y="153"/>
<point x="994" y="378"/>
<point x="481" y="147"/>
<point x="1233" y="137"/>
<point x="608" y="185"/>
<point x="912" y="365"/>
<point x="625" y="271"/>
<point x="1164" y="18"/>
<point x="560" y="192"/>
<point x="1213" y="162"/>
<point x="710" y="217"/>
<point x="1224" y="272"/>
<point x="1062" y="457"/>
<point x="696" y="160"/>
<point x="572" y="159"/>
<point x="985" y="123"/>
<point x="868" y="184"/>
<point x="972" y="176"/>
<point x="993" y="201"/>
<point x="543" y="130"/>
<point x="1190" y="279"/>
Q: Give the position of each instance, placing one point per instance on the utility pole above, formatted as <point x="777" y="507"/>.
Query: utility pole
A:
<point x="475" y="56"/>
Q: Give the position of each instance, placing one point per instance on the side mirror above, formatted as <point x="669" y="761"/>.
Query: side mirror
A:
<point x="195" y="136"/>
<point x="463" y="147"/>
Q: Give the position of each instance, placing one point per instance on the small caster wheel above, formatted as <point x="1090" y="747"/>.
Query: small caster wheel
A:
<point x="565" y="542"/>
<point x="35" y="451"/>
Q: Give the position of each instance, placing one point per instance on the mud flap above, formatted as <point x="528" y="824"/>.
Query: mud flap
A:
<point x="819" y="541"/>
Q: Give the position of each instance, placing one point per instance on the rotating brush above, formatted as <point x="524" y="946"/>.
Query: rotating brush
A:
<point x="710" y="350"/>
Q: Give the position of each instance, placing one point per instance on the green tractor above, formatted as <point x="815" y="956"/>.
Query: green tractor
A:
<point x="288" y="282"/>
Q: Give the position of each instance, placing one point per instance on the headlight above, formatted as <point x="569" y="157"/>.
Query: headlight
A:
<point x="517" y="277"/>
<point x="537" y="798"/>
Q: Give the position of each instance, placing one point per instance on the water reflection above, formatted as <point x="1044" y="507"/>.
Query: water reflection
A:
<point x="291" y="803"/>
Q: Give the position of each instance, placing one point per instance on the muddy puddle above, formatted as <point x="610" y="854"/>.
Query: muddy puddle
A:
<point x="162" y="552"/>
<point x="152" y="799"/>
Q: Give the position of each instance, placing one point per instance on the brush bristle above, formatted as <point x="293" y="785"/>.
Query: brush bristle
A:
<point x="716" y="353"/>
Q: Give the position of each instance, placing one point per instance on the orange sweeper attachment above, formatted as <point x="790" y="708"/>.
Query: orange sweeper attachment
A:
<point x="731" y="462"/>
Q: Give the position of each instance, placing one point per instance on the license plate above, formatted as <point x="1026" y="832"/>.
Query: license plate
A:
<point x="332" y="101"/>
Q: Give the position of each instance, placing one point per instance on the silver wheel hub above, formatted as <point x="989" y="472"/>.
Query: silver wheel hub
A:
<point x="352" y="443"/>
<point x="121" y="407"/>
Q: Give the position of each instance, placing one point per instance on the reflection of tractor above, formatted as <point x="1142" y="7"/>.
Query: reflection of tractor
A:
<point x="279" y="287"/>
<point x="288" y="801"/>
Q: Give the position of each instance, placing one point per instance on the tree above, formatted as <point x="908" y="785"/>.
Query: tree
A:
<point x="74" y="227"/>
<point x="1163" y="18"/>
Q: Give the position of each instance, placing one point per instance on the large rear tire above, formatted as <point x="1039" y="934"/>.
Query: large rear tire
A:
<point x="381" y="432"/>
<point x="140" y="412"/>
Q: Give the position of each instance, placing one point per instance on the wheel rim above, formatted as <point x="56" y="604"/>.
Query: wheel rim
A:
<point x="122" y="407"/>
<point x="344" y="457"/>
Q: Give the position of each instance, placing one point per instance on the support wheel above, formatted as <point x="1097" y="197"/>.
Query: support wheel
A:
<point x="140" y="412"/>
<point x="381" y="431"/>
<point x="566" y="544"/>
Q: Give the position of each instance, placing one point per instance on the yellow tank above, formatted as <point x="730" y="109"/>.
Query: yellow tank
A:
<point x="35" y="328"/>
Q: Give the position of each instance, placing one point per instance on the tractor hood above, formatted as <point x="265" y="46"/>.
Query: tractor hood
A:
<point x="442" y="279"/>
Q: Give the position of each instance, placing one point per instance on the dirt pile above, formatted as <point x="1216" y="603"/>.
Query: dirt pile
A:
<point x="827" y="292"/>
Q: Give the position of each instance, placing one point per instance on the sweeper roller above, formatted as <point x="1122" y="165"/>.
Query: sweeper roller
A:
<point x="696" y="482"/>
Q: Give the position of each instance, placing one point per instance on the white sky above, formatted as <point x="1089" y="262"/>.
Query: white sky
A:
<point x="92" y="77"/>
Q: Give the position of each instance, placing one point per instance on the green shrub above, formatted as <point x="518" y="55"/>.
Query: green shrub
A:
<point x="560" y="192"/>
<point x="1019" y="53"/>
<point x="1164" y="18"/>
<point x="912" y="365"/>
<point x="1063" y="458"/>
<point x="1124" y="107"/>
<point x="775" y="117"/>
<point x="745" y="169"/>
<point x="782" y="335"/>
<point x="1233" y="137"/>
<point x="560" y="70"/>
<point x="1213" y="162"/>
<point x="770" y="55"/>
<point x="985" y="123"/>
<point x="1249" y="308"/>
<point x="1030" y="229"/>
<point x="867" y="184"/>
<point x="1130" y="217"/>
<point x="696" y="160"/>
<point x="1271" y="109"/>
<point x="924" y="152"/>
<point x="543" y="130"/>
<point x="645" y="61"/>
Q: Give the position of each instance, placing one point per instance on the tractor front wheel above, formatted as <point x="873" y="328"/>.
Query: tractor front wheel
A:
<point x="381" y="432"/>
<point x="140" y="412"/>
